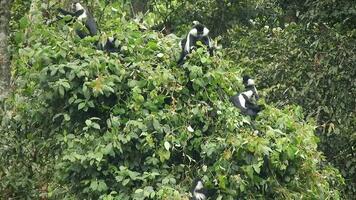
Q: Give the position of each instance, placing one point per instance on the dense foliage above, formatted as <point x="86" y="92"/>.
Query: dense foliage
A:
<point x="84" y="124"/>
<point x="220" y="14"/>
<point x="312" y="65"/>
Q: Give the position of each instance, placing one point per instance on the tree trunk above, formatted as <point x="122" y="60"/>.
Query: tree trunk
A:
<point x="5" y="71"/>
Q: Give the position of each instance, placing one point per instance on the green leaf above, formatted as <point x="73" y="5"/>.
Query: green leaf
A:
<point x="102" y="186"/>
<point x="88" y="122"/>
<point x="81" y="106"/>
<point x="66" y="85"/>
<point x="165" y="181"/>
<point x="125" y="182"/>
<point x="66" y="117"/>
<point x="96" y="126"/>
<point x="61" y="91"/>
<point x="19" y="37"/>
<point x="139" y="191"/>
<point x="156" y="125"/>
<point x="94" y="185"/>
<point x="24" y="22"/>
<point x="257" y="168"/>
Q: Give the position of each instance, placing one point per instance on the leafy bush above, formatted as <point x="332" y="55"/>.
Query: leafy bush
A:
<point x="82" y="124"/>
<point x="312" y="66"/>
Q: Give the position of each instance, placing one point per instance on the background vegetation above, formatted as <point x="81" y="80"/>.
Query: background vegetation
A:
<point x="82" y="124"/>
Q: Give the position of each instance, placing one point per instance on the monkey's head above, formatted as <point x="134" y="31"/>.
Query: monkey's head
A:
<point x="195" y="22"/>
<point x="77" y="6"/>
<point x="197" y="184"/>
<point x="247" y="81"/>
<point x="201" y="30"/>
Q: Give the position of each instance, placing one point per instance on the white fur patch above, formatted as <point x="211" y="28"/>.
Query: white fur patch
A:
<point x="248" y="93"/>
<point x="190" y="129"/>
<point x="117" y="43"/>
<point x="205" y="31"/>
<point x="103" y="42"/>
<point x="211" y="43"/>
<point x="82" y="16"/>
<point x="78" y="7"/>
<point x="250" y="82"/>
<point x="111" y="39"/>
<point x="199" y="185"/>
<point x="196" y="22"/>
<point x="187" y="42"/>
<point x="199" y="196"/>
<point x="256" y="91"/>
<point x="194" y="32"/>
<point x="242" y="99"/>
<point x="186" y="47"/>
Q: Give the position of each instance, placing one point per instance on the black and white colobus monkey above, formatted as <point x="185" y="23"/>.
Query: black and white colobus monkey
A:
<point x="198" y="191"/>
<point x="199" y="32"/>
<point x="111" y="45"/>
<point x="82" y="14"/>
<point x="245" y="101"/>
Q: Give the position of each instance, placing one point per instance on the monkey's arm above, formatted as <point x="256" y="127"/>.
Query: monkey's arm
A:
<point x="253" y="106"/>
<point x="183" y="53"/>
<point x="249" y="103"/>
<point x="235" y="100"/>
<point x="65" y="12"/>
<point x="182" y="43"/>
<point x="208" y="42"/>
<point x="191" y="40"/>
<point x="181" y="58"/>
<point x="61" y="15"/>
<point x="90" y="24"/>
<point x="255" y="94"/>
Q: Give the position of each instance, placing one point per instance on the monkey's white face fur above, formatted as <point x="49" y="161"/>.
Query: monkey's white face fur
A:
<point x="196" y="22"/>
<point x="199" y="185"/>
<point x="194" y="32"/>
<point x="198" y="195"/>
<point x="250" y="82"/>
<point x="78" y="7"/>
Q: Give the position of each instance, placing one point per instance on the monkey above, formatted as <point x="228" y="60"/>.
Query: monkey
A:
<point x="81" y="14"/>
<point x="198" y="191"/>
<point x="199" y="32"/>
<point x="244" y="100"/>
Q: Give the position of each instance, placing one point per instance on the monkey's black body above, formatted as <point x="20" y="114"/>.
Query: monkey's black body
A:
<point x="250" y="107"/>
<point x="245" y="100"/>
<point x="87" y="19"/>
<point x="109" y="46"/>
<point x="198" y="33"/>
<point x="199" y="192"/>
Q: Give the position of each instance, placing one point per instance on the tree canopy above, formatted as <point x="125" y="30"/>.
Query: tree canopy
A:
<point x="80" y="123"/>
